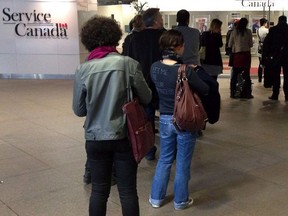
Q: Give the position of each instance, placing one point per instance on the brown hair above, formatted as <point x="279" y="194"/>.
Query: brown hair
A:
<point x="137" y="22"/>
<point x="215" y="25"/>
<point x="171" y="39"/>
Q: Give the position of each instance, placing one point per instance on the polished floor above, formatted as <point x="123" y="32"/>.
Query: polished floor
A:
<point x="239" y="166"/>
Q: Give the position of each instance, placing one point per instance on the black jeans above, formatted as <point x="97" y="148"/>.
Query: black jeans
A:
<point x="101" y="156"/>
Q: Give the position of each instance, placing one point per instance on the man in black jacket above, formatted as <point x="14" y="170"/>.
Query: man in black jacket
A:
<point x="275" y="56"/>
<point x="144" y="47"/>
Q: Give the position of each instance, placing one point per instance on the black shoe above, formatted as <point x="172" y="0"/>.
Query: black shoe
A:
<point x="87" y="177"/>
<point x="250" y="97"/>
<point x="247" y="97"/>
<point x="273" y="98"/>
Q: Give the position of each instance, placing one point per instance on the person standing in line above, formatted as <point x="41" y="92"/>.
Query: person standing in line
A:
<point x="191" y="41"/>
<point x="261" y="34"/>
<point x="100" y="91"/>
<point x="241" y="42"/>
<point x="144" y="48"/>
<point x="276" y="46"/>
<point x="137" y="26"/>
<point x="212" y="40"/>
<point x="174" y="145"/>
<point x="191" y="38"/>
<point x="228" y="50"/>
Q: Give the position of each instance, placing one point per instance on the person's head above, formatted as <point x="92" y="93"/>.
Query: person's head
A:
<point x="137" y="23"/>
<point x="172" y="40"/>
<point x="242" y="24"/>
<point x="183" y="17"/>
<point x="215" y="26"/>
<point x="263" y="22"/>
<point x="100" y="31"/>
<point x="282" y="19"/>
<point x="152" y="18"/>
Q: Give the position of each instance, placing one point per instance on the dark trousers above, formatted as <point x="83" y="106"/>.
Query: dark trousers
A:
<point x="276" y="79"/>
<point x="101" y="156"/>
<point x="260" y="70"/>
<point x="150" y="111"/>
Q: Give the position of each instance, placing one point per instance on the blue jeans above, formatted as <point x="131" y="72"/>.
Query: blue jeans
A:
<point x="101" y="157"/>
<point x="173" y="145"/>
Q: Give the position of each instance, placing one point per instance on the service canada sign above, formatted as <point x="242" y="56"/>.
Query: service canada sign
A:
<point x="34" y="24"/>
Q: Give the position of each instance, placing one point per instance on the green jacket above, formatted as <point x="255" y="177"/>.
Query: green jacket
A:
<point x="100" y="91"/>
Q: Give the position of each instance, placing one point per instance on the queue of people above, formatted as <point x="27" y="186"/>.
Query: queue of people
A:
<point x="151" y="56"/>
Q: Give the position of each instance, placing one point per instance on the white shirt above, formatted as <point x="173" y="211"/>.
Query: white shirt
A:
<point x="262" y="33"/>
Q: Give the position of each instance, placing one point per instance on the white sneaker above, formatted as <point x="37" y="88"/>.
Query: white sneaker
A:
<point x="153" y="205"/>
<point x="189" y="203"/>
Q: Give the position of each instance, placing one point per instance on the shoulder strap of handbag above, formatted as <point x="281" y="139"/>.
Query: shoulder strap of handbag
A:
<point x="128" y="86"/>
<point x="257" y="31"/>
<point x="182" y="72"/>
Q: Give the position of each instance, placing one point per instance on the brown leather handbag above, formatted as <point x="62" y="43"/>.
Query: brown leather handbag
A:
<point x="141" y="133"/>
<point x="189" y="113"/>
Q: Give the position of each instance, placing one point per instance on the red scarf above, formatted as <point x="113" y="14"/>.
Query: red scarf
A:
<point x="101" y="52"/>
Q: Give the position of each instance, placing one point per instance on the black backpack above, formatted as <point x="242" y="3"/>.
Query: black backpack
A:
<point x="212" y="101"/>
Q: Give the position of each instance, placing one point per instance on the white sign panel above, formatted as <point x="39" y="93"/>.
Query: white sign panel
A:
<point x="218" y="5"/>
<point x="38" y="37"/>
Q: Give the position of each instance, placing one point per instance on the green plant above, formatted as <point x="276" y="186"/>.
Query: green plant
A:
<point x="139" y="7"/>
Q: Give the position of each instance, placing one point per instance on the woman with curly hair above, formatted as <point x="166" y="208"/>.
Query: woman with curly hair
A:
<point x="100" y="90"/>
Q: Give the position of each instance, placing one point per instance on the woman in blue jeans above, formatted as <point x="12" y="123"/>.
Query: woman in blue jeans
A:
<point x="174" y="145"/>
<point x="100" y="91"/>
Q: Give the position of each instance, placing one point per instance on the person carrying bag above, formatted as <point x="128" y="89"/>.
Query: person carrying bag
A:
<point x="176" y="144"/>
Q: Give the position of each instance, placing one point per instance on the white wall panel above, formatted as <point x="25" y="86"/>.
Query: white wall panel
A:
<point x="47" y="64"/>
<point x="8" y="63"/>
<point x="217" y="5"/>
<point x="64" y="64"/>
<point x="39" y="53"/>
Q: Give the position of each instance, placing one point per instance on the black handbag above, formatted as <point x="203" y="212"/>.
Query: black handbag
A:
<point x="240" y="85"/>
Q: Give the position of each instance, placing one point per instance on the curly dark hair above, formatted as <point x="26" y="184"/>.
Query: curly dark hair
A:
<point x="100" y="31"/>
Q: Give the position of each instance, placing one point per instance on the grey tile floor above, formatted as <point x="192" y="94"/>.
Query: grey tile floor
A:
<point x="239" y="166"/>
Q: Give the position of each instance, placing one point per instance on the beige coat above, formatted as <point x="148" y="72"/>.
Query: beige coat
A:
<point x="240" y="43"/>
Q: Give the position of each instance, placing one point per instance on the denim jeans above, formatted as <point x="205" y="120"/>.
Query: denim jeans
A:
<point x="173" y="145"/>
<point x="101" y="157"/>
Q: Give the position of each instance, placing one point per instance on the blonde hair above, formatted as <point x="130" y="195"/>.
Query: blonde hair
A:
<point x="215" y="25"/>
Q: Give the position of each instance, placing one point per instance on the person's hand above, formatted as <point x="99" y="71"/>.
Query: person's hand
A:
<point x="193" y="65"/>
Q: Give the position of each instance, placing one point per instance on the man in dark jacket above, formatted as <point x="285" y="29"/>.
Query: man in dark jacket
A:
<point x="144" y="47"/>
<point x="275" y="56"/>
